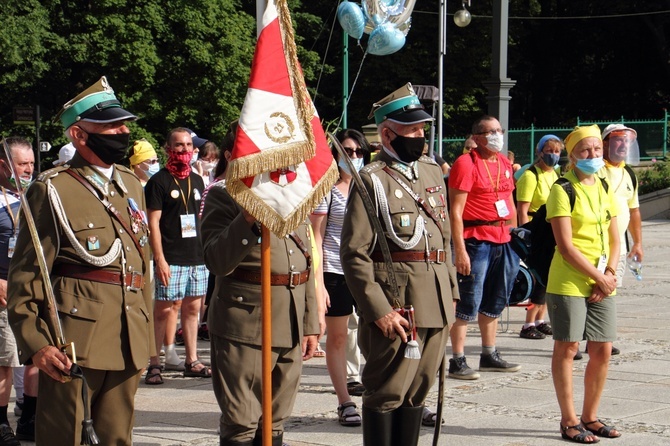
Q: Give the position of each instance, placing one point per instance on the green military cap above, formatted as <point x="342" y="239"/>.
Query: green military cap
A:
<point x="95" y="104"/>
<point x="401" y="106"/>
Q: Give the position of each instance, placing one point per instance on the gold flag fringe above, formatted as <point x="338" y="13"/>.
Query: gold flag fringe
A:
<point x="268" y="217"/>
<point x="271" y="159"/>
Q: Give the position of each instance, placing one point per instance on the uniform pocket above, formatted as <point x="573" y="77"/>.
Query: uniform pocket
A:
<point x="78" y="316"/>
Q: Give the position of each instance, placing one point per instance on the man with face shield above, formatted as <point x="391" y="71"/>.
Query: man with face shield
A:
<point x="410" y="192"/>
<point x="89" y="216"/>
<point x="482" y="214"/>
<point x="620" y="151"/>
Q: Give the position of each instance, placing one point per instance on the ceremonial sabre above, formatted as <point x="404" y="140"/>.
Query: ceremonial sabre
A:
<point x="88" y="435"/>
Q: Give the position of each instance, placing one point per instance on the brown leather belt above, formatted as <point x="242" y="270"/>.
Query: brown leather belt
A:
<point x="438" y="256"/>
<point x="291" y="280"/>
<point x="471" y="223"/>
<point x="134" y="280"/>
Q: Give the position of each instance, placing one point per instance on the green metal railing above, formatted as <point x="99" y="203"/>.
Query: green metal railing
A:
<point x="652" y="137"/>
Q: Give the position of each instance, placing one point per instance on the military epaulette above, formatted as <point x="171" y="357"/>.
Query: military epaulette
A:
<point x="51" y="173"/>
<point x="123" y="169"/>
<point x="373" y="166"/>
<point x="427" y="159"/>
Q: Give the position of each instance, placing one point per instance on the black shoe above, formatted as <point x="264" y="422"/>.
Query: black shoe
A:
<point x="531" y="333"/>
<point x="18" y="408"/>
<point x="544" y="328"/>
<point x="7" y="437"/>
<point x="26" y="431"/>
<point x="615" y="351"/>
<point x="203" y="332"/>
<point x="578" y="356"/>
<point x="354" y="388"/>
<point x="494" y="363"/>
<point x="179" y="337"/>
<point x="459" y="369"/>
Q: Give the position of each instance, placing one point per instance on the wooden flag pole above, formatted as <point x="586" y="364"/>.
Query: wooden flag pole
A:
<point x="266" y="341"/>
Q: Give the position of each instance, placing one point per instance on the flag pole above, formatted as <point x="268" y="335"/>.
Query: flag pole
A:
<point x="266" y="341"/>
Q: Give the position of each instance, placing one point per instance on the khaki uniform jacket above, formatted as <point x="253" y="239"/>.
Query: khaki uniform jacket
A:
<point x="429" y="287"/>
<point x="111" y="326"/>
<point x="235" y="309"/>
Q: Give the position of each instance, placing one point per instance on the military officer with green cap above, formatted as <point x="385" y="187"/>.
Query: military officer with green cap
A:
<point x="91" y="223"/>
<point x="410" y="197"/>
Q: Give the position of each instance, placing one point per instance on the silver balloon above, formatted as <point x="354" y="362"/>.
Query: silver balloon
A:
<point x="404" y="27"/>
<point x="375" y="11"/>
<point x="400" y="11"/>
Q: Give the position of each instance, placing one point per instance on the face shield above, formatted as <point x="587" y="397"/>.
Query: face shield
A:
<point x="623" y="146"/>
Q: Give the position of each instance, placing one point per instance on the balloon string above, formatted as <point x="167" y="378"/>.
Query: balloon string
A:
<point x="353" y="86"/>
<point x="323" y="62"/>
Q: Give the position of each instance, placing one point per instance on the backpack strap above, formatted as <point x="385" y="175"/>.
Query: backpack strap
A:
<point x="631" y="172"/>
<point x="567" y="187"/>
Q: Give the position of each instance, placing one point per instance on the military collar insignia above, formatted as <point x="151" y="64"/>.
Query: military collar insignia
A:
<point x="116" y="177"/>
<point x="98" y="182"/>
<point x="409" y="171"/>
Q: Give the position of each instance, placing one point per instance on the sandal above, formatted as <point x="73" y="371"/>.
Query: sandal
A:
<point x="604" y="430"/>
<point x="319" y="353"/>
<point x="154" y="378"/>
<point x="429" y="417"/>
<point x="204" y="372"/>
<point x="348" y="415"/>
<point x="354" y="388"/>
<point x="580" y="437"/>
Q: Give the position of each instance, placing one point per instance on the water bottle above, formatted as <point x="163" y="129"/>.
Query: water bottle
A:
<point x="635" y="266"/>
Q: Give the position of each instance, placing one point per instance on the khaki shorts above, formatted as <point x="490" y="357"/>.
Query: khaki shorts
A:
<point x="8" y="354"/>
<point x="573" y="319"/>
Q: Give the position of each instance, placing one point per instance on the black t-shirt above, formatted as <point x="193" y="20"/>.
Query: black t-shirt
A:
<point x="168" y="194"/>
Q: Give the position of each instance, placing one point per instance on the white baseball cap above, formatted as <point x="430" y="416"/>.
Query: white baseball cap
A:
<point x="65" y="154"/>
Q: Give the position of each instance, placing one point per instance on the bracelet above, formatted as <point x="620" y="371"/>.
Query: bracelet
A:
<point x="610" y="269"/>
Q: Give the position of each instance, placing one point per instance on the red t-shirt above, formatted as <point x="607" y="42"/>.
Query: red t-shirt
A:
<point x="469" y="174"/>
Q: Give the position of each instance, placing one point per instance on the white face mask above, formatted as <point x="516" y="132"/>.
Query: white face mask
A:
<point x="495" y="142"/>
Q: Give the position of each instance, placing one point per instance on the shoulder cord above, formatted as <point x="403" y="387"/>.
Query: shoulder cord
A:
<point x="419" y="228"/>
<point x="111" y="255"/>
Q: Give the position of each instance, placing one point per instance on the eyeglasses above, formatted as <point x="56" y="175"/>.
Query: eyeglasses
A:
<point x="358" y="151"/>
<point x="492" y="132"/>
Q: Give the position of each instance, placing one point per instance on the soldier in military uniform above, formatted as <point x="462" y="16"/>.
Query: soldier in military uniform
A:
<point x="91" y="222"/>
<point x="410" y="195"/>
<point x="231" y="239"/>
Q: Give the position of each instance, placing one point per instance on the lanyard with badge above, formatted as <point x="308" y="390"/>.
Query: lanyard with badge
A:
<point x="11" y="244"/>
<point x="187" y="220"/>
<point x="501" y="205"/>
<point x="602" y="261"/>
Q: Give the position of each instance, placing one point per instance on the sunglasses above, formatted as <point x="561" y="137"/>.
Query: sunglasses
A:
<point x="154" y="161"/>
<point x="358" y="151"/>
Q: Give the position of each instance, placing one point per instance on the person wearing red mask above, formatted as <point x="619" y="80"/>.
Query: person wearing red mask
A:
<point x="173" y="199"/>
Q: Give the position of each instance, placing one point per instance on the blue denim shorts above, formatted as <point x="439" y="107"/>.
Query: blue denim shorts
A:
<point x="493" y="268"/>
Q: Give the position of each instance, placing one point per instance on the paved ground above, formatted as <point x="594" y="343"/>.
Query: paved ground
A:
<point x="496" y="410"/>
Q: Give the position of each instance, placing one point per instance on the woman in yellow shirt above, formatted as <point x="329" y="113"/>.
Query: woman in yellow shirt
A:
<point x="582" y="283"/>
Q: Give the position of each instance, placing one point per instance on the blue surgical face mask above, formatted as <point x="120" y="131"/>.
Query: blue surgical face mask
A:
<point x="152" y="170"/>
<point x="590" y="165"/>
<point x="550" y="159"/>
<point x="357" y="162"/>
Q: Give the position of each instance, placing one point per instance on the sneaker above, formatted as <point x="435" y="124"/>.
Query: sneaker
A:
<point x="179" y="337"/>
<point x="578" y="356"/>
<point x="459" y="369"/>
<point x="531" y="333"/>
<point x="544" y="328"/>
<point x="18" y="408"/>
<point x="7" y="437"/>
<point x="203" y="332"/>
<point x="26" y="431"/>
<point x="494" y="363"/>
<point x="354" y="388"/>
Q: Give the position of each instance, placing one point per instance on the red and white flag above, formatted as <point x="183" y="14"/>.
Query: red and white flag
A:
<point x="281" y="166"/>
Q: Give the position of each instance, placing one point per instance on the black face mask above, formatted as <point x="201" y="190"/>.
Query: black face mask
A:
<point x="408" y="149"/>
<point x="109" y="148"/>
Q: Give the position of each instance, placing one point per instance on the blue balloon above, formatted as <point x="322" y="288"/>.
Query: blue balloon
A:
<point x="352" y="19"/>
<point x="385" y="39"/>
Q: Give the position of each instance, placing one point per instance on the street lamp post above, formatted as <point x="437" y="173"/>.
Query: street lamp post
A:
<point x="499" y="85"/>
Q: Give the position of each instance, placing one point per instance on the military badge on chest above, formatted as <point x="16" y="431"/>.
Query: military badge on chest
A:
<point x="138" y="219"/>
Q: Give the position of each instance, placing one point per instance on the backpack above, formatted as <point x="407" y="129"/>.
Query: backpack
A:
<point x="542" y="241"/>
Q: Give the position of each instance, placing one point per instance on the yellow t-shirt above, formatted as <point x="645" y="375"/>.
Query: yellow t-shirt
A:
<point x="592" y="203"/>
<point x="535" y="189"/>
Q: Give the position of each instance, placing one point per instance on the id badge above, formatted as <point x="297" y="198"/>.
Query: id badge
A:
<point x="10" y="246"/>
<point x="187" y="225"/>
<point x="501" y="207"/>
<point x="602" y="263"/>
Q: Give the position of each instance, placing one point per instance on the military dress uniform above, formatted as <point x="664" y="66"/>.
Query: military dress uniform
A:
<point x="232" y="253"/>
<point x="98" y="271"/>
<point x="425" y="276"/>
